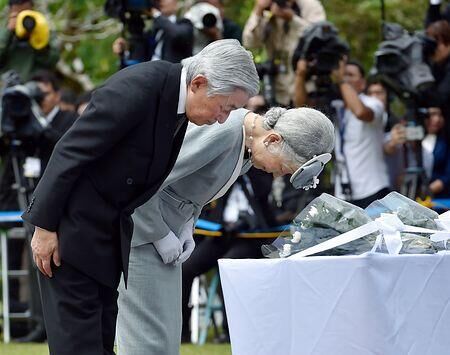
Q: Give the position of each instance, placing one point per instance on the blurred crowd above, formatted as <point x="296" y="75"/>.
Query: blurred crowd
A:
<point x="392" y="122"/>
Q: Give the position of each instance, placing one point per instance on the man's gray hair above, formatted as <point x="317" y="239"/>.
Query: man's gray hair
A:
<point x="306" y="132"/>
<point x="226" y="65"/>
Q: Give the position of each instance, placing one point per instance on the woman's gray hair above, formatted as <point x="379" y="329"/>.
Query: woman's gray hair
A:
<point x="226" y="65"/>
<point x="306" y="132"/>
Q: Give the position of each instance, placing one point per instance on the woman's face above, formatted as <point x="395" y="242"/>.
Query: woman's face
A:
<point x="267" y="156"/>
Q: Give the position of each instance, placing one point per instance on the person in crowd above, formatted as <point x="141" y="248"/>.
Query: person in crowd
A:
<point x="230" y="28"/>
<point x="171" y="38"/>
<point x="207" y="22"/>
<point x="112" y="160"/>
<point x="279" y="33"/>
<point x="435" y="151"/>
<point x="361" y="175"/>
<point x="436" y="13"/>
<point x="244" y="208"/>
<point x="58" y="121"/>
<point x="21" y="53"/>
<point x="394" y="160"/>
<point x="210" y="161"/>
<point x="439" y="94"/>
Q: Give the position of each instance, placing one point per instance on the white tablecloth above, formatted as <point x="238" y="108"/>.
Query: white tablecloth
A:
<point x="369" y="304"/>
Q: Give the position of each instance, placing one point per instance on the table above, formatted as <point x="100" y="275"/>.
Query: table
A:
<point x="341" y="305"/>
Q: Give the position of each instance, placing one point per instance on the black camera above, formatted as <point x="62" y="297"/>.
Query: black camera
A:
<point x="119" y="8"/>
<point x="281" y="3"/>
<point x="267" y="72"/>
<point x="400" y="61"/>
<point x="321" y="47"/>
<point x="20" y="112"/>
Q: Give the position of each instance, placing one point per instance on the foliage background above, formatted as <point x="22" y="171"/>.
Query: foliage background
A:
<point x="86" y="34"/>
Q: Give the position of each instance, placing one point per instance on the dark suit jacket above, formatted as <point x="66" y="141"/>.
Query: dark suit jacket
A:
<point x="62" y="121"/>
<point x="111" y="161"/>
<point x="178" y="38"/>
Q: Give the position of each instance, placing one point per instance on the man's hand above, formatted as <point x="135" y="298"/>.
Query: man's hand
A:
<point x="437" y="186"/>
<point x="169" y="248"/>
<point x="44" y="246"/>
<point x="302" y="68"/>
<point x="338" y="74"/>
<point x="398" y="134"/>
<point x="119" y="46"/>
<point x="261" y="5"/>
<point x="187" y="240"/>
<point x="12" y="20"/>
<point x="286" y="13"/>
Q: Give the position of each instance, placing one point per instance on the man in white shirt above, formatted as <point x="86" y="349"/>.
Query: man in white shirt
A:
<point x="361" y="175"/>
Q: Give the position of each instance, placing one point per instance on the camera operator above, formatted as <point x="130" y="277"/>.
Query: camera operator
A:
<point x="361" y="175"/>
<point x="170" y="38"/>
<point x="33" y="50"/>
<point x="278" y="33"/>
<point x="439" y="93"/>
<point x="231" y="29"/>
<point x="207" y="22"/>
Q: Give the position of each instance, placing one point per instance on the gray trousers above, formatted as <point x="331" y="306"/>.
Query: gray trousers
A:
<point x="149" y="319"/>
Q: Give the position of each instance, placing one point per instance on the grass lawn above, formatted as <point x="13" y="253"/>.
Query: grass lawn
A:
<point x="41" y="349"/>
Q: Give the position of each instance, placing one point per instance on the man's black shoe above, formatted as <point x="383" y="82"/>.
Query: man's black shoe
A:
<point x="37" y="335"/>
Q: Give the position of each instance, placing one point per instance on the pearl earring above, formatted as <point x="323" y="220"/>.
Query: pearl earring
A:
<point x="266" y="144"/>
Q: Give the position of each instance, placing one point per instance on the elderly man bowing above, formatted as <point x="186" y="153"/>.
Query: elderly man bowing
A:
<point x="112" y="160"/>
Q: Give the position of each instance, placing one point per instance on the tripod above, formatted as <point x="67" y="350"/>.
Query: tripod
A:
<point x="415" y="182"/>
<point x="22" y="187"/>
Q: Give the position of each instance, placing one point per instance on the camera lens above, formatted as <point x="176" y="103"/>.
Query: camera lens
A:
<point x="209" y="20"/>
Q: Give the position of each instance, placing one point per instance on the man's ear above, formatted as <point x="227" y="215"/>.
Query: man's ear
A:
<point x="198" y="82"/>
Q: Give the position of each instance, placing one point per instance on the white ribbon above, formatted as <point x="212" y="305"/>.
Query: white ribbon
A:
<point x="390" y="226"/>
<point x="444" y="223"/>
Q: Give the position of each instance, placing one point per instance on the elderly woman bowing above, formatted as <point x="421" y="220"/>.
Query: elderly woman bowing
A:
<point x="210" y="160"/>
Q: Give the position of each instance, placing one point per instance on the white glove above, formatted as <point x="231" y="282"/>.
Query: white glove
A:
<point x="187" y="241"/>
<point x="169" y="248"/>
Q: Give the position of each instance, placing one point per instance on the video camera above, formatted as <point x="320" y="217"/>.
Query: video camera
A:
<point x="20" y="117"/>
<point x="321" y="46"/>
<point x="400" y="61"/>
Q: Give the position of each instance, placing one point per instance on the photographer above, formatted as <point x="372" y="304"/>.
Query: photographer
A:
<point x="278" y="33"/>
<point x="31" y="52"/>
<point x="435" y="151"/>
<point x="207" y="22"/>
<point x="361" y="176"/>
<point x="58" y="121"/>
<point x="231" y="29"/>
<point x="170" y="38"/>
